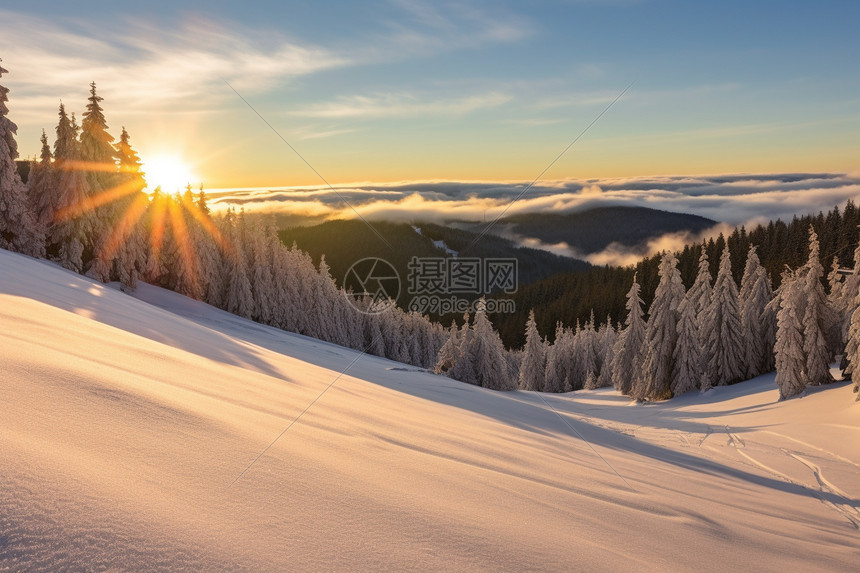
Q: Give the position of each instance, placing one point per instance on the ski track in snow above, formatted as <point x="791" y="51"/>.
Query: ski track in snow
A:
<point x="844" y="506"/>
<point x="124" y="419"/>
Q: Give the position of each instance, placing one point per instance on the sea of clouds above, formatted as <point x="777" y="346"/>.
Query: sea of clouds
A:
<point x="729" y="200"/>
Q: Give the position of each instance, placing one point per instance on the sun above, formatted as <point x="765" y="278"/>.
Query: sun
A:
<point x="169" y="172"/>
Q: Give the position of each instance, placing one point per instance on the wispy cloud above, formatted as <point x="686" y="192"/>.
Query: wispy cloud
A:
<point x="399" y="105"/>
<point x="428" y="28"/>
<point x="143" y="66"/>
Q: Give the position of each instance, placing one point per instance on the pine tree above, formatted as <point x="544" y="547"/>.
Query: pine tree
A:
<point x="700" y="295"/>
<point x="628" y="348"/>
<point x="450" y="351"/>
<point x="588" y="355"/>
<point x="375" y="343"/>
<point x="489" y="356"/>
<point x="72" y="220"/>
<point x="852" y="349"/>
<point x="851" y="326"/>
<point x="463" y="368"/>
<point x="43" y="186"/>
<point x="687" y="373"/>
<point x="99" y="157"/>
<point x="285" y="293"/>
<point x="262" y="282"/>
<point x="128" y="241"/>
<point x="96" y="142"/>
<point x="558" y="361"/>
<point x="726" y="345"/>
<point x="655" y="377"/>
<point x="202" y="204"/>
<point x="610" y="338"/>
<point x="701" y="292"/>
<point x="790" y="359"/>
<point x="532" y="374"/>
<point x="816" y="318"/>
<point x="18" y="229"/>
<point x="836" y="300"/>
<point x="755" y="294"/>
<point x="239" y="299"/>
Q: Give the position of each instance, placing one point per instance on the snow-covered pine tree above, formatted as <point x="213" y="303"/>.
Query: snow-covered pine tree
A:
<point x="98" y="153"/>
<point x="817" y="318"/>
<point x="836" y="301"/>
<point x="654" y="381"/>
<point x="628" y="348"/>
<point x="755" y="294"/>
<point x="700" y="294"/>
<point x="239" y="299"/>
<point x="427" y="350"/>
<point x="262" y="283"/>
<point x="600" y="333"/>
<point x="286" y="293"/>
<point x="768" y="318"/>
<point x="186" y="264"/>
<point x="588" y="354"/>
<point x="490" y="358"/>
<point x="96" y="142"/>
<point x="701" y="291"/>
<point x="392" y="334"/>
<point x="128" y="240"/>
<point x="463" y="368"/>
<point x="687" y="373"/>
<point x="304" y="280"/>
<point x="850" y="300"/>
<point x="42" y="187"/>
<point x="18" y="228"/>
<point x="558" y="361"/>
<point x="576" y="360"/>
<point x="532" y="374"/>
<point x="851" y="325"/>
<point x="850" y="331"/>
<point x="726" y="344"/>
<point x="450" y="351"/>
<point x="852" y="348"/>
<point x="72" y="218"/>
<point x="210" y="264"/>
<point x="790" y="358"/>
<point x="374" y="340"/>
<point x="610" y="337"/>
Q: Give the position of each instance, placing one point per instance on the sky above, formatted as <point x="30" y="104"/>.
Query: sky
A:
<point x="393" y="91"/>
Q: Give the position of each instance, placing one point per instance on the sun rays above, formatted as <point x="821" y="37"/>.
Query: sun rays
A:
<point x="160" y="221"/>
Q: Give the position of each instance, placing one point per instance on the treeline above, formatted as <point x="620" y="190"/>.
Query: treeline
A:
<point x="712" y="334"/>
<point x="574" y="296"/>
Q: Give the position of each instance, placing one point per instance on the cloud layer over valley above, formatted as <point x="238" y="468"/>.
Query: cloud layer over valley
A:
<point x="733" y="199"/>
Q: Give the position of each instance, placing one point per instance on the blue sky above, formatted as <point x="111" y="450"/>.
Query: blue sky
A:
<point x="412" y="90"/>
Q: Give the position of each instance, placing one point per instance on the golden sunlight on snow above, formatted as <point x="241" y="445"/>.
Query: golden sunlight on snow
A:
<point x="125" y="421"/>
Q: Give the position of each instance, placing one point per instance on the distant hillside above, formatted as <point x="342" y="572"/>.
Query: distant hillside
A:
<point x="571" y="297"/>
<point x="593" y="230"/>
<point x="345" y="242"/>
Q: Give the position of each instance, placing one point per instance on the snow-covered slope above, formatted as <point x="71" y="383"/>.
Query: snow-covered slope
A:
<point x="125" y="421"/>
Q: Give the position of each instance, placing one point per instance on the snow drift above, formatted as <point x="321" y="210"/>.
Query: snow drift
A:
<point x="125" y="420"/>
